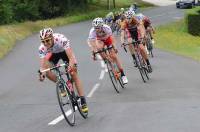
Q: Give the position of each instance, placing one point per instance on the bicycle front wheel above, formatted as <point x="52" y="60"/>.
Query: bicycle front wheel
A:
<point x="140" y="67"/>
<point x="112" y="77"/>
<point x="66" y="103"/>
<point x="149" y="46"/>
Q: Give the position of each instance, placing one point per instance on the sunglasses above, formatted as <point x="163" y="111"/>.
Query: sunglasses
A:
<point x="44" y="41"/>
<point x="97" y="28"/>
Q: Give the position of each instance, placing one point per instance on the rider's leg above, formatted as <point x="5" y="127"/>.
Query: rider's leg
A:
<point x="79" y="88"/>
<point x="116" y="59"/>
<point x="99" y="46"/>
<point x="77" y="82"/>
<point x="145" y="56"/>
<point x="131" y="48"/>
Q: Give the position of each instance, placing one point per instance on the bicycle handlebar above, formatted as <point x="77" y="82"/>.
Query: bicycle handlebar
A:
<point x="103" y="50"/>
<point x="55" y="67"/>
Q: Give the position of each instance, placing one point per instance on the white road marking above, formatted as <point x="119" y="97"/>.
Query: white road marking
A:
<point x="102" y="74"/>
<point x="102" y="64"/>
<point x="96" y="86"/>
<point x="106" y="69"/>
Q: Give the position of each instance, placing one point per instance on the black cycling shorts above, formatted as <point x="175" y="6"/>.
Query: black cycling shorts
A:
<point x="55" y="57"/>
<point x="134" y="33"/>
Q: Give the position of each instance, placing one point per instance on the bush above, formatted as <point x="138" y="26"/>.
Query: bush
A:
<point x="193" y="22"/>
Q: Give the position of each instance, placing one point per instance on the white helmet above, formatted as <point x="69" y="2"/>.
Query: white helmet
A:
<point x="129" y="14"/>
<point x="97" y="22"/>
<point x="140" y="16"/>
<point x="45" y="33"/>
<point x="122" y="9"/>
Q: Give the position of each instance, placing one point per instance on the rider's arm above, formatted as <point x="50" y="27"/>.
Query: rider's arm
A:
<point x="92" y="40"/>
<point x="42" y="55"/>
<point x="69" y="51"/>
<point x="141" y="29"/>
<point x="114" y="42"/>
<point x="92" y="45"/>
<point x="71" y="56"/>
<point x="123" y="26"/>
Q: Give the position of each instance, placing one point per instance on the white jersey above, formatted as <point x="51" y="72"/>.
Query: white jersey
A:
<point x="61" y="43"/>
<point x="103" y="35"/>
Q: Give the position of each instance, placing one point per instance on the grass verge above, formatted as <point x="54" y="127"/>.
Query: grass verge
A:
<point x="175" y="38"/>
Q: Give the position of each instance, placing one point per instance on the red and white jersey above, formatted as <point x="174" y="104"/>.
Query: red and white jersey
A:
<point x="104" y="34"/>
<point x="61" y="43"/>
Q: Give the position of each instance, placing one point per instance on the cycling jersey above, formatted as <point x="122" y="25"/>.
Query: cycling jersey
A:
<point x="131" y="25"/>
<point x="104" y="34"/>
<point x="131" y="28"/>
<point x="61" y="43"/>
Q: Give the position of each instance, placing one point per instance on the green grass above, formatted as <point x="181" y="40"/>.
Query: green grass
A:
<point x="9" y="34"/>
<point x="175" y="38"/>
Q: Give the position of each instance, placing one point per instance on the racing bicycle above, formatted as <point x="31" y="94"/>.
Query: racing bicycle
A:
<point x="140" y="61"/>
<point x="113" y="70"/>
<point x="70" y="102"/>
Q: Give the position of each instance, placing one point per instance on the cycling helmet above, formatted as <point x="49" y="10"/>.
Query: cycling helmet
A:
<point x="45" y="33"/>
<point x="129" y="14"/>
<point x="122" y="9"/>
<point x="140" y="16"/>
<point x="97" y="22"/>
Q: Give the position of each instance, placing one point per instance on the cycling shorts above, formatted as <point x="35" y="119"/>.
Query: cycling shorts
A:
<point x="133" y="33"/>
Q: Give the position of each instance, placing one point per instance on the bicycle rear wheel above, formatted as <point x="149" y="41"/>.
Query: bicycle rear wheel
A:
<point x="112" y="77"/>
<point x="66" y="104"/>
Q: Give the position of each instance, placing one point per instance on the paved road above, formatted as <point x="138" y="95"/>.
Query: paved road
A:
<point x="169" y="102"/>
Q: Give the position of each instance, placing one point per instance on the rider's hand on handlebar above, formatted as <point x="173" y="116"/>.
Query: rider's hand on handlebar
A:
<point x="116" y="51"/>
<point x="93" y="56"/>
<point x="41" y="76"/>
<point x="122" y="45"/>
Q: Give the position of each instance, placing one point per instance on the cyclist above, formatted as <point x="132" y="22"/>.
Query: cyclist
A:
<point x="135" y="31"/>
<point x="109" y="18"/>
<point x="134" y="7"/>
<point x="55" y="46"/>
<point x="122" y="11"/>
<point x="116" y="22"/>
<point x="100" y="36"/>
<point x="147" y="24"/>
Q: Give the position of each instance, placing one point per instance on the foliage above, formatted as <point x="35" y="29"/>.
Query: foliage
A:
<point x="193" y="21"/>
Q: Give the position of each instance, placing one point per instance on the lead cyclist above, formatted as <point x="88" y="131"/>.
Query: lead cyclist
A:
<point x="53" y="47"/>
